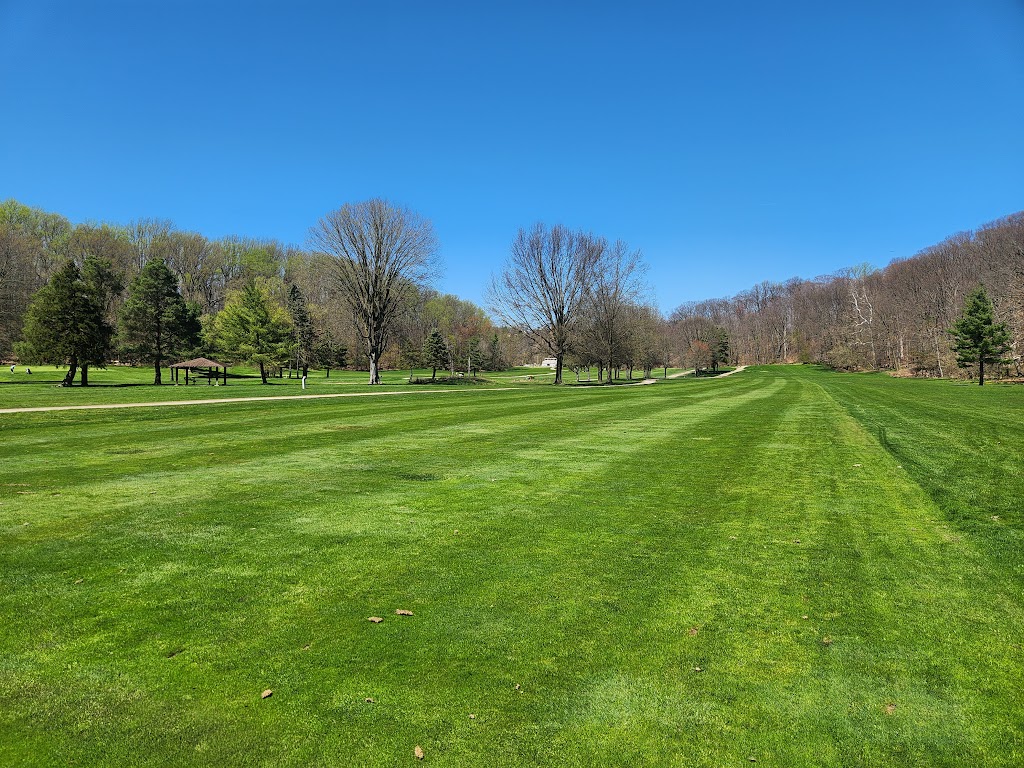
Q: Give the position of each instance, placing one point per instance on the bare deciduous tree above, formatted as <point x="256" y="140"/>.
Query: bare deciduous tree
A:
<point x="380" y="252"/>
<point x="544" y="284"/>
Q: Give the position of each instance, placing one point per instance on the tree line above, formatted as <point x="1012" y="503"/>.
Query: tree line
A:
<point x="898" y="318"/>
<point x="83" y="295"/>
<point x="359" y="295"/>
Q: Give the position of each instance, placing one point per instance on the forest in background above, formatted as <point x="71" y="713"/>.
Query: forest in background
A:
<point x="860" y="318"/>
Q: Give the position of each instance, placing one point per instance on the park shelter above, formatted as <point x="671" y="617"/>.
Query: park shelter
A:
<point x="201" y="364"/>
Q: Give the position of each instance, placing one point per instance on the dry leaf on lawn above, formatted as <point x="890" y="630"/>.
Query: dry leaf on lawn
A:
<point x="375" y="619"/>
<point x="266" y="694"/>
<point x="418" y="752"/>
<point x="403" y="612"/>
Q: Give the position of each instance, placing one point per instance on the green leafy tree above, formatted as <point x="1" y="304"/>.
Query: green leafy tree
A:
<point x="977" y="338"/>
<point x="252" y="329"/>
<point x="66" y="321"/>
<point x="156" y="323"/>
<point x="436" y="352"/>
<point x="302" y="329"/>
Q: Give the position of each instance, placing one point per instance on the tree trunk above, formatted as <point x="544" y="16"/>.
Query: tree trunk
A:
<point x="558" y="368"/>
<point x="263" y="372"/>
<point x="981" y="371"/>
<point x="433" y="373"/>
<point x="85" y="375"/>
<point x="69" y="377"/>
<point x="374" y="373"/>
<point x="156" y="372"/>
<point x="305" y="370"/>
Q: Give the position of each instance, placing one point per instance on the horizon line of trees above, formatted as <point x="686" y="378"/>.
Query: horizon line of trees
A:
<point x="238" y="299"/>
<point x="360" y="295"/>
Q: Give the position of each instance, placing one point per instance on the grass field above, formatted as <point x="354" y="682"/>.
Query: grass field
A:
<point x="789" y="565"/>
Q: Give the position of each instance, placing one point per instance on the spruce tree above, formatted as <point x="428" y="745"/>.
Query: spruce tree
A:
<point x="977" y="338"/>
<point x="66" y="322"/>
<point x="156" y="323"/>
<point x="302" y="328"/>
<point x="435" y="352"/>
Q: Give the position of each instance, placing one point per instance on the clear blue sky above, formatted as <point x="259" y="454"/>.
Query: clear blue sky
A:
<point x="732" y="142"/>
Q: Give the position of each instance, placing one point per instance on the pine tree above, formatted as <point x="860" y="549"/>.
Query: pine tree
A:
<point x="720" y="347"/>
<point x="977" y="338"/>
<point x="302" y="325"/>
<point x="156" y="323"/>
<point x="435" y="352"/>
<point x="251" y="328"/>
<point x="66" y="322"/>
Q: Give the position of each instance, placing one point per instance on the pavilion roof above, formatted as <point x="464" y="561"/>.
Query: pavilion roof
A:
<point x="199" y="362"/>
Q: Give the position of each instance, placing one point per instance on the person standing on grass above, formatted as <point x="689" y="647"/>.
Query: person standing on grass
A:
<point x="12" y="369"/>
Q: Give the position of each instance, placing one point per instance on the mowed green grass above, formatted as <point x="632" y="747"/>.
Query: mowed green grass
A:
<point x="120" y="384"/>
<point x="787" y="565"/>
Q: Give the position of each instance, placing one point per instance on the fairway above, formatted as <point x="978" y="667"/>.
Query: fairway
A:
<point x="787" y="565"/>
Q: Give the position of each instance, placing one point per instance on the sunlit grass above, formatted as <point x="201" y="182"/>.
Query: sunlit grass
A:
<point x="691" y="573"/>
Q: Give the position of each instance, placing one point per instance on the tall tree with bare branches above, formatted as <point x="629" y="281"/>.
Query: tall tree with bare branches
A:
<point x="381" y="251"/>
<point x="543" y="287"/>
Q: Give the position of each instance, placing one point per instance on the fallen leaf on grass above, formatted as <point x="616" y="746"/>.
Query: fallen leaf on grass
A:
<point x="517" y="686"/>
<point x="856" y="465"/>
<point x="266" y="694"/>
<point x="805" y="616"/>
<point x="79" y="581"/>
<point x="826" y="640"/>
<point x="375" y="619"/>
<point x="306" y="646"/>
<point x="418" y="752"/>
<point x="692" y="631"/>
<point x="472" y="717"/>
<point x="890" y="708"/>
<point x="403" y="612"/>
<point x="368" y="700"/>
<point x="697" y="669"/>
<point x="796" y="541"/>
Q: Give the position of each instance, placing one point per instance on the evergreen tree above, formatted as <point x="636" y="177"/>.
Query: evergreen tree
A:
<point x="977" y="338"/>
<point x="156" y="323"/>
<point x="302" y="328"/>
<point x="720" y="348"/>
<point x="251" y="328"/>
<point x="435" y="352"/>
<point x="66" y="323"/>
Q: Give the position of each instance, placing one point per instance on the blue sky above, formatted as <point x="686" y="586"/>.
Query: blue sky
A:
<point x="732" y="142"/>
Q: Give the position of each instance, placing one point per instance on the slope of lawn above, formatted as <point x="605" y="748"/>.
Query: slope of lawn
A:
<point x="786" y="565"/>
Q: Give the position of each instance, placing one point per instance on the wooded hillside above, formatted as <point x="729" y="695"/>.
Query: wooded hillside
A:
<point x="863" y="318"/>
